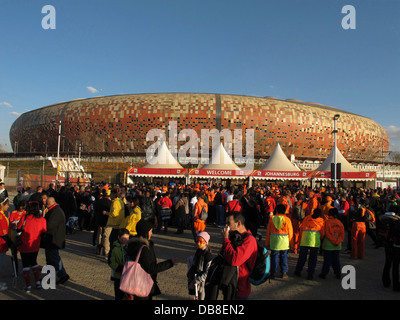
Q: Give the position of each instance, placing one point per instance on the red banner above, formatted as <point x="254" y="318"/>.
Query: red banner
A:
<point x="157" y="171"/>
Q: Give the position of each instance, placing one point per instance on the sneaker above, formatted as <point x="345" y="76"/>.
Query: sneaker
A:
<point x="3" y="286"/>
<point x="28" y="289"/>
<point x="38" y="285"/>
<point x="284" y="275"/>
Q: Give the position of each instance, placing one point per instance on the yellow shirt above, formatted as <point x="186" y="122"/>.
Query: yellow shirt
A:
<point x="116" y="214"/>
<point x="131" y="221"/>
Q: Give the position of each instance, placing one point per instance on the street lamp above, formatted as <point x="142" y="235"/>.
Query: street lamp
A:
<point x="335" y="118"/>
<point x="58" y="151"/>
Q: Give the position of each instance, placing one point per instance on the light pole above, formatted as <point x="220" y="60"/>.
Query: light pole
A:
<point x="335" y="118"/>
<point x="58" y="151"/>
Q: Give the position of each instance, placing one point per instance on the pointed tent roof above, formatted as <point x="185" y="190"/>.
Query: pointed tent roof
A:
<point x="163" y="159"/>
<point x="220" y="160"/>
<point x="346" y="166"/>
<point x="278" y="161"/>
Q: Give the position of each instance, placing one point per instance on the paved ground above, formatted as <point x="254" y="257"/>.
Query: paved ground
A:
<point x="90" y="274"/>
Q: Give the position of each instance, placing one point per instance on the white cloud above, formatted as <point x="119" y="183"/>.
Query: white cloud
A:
<point x="393" y="132"/>
<point x="14" y="113"/>
<point x="6" y="104"/>
<point x="92" y="90"/>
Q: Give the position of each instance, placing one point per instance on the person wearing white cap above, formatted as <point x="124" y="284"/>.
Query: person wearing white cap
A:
<point x="199" y="265"/>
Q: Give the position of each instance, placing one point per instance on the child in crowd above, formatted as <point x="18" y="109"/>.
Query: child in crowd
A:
<point x="199" y="264"/>
<point x="117" y="261"/>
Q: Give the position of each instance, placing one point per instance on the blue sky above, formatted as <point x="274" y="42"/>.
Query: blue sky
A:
<point x="281" y="48"/>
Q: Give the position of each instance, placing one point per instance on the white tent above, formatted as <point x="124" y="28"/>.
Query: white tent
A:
<point x="2" y="172"/>
<point x="279" y="162"/>
<point x="345" y="165"/>
<point x="220" y="160"/>
<point x="163" y="159"/>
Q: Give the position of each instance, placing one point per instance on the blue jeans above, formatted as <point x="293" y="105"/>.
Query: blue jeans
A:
<point x="312" y="260"/>
<point x="331" y="258"/>
<point x="220" y="213"/>
<point x="53" y="259"/>
<point x="279" y="257"/>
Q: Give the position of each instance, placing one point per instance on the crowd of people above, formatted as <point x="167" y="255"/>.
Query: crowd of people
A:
<point x="123" y="219"/>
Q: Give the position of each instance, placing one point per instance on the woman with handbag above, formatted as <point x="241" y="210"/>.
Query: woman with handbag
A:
<point x="33" y="226"/>
<point x="142" y="246"/>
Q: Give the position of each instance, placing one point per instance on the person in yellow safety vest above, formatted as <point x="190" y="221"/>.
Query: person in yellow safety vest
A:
<point x="279" y="238"/>
<point x="311" y="233"/>
<point x="135" y="214"/>
<point x="332" y="244"/>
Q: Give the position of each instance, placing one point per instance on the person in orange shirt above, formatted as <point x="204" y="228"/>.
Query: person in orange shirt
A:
<point x="312" y="203"/>
<point x="358" y="232"/>
<point x="284" y="200"/>
<point x="296" y="218"/>
<point x="199" y="224"/>
<point x="326" y="205"/>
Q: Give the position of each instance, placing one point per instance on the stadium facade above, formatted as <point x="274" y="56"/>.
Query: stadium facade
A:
<point x="119" y="125"/>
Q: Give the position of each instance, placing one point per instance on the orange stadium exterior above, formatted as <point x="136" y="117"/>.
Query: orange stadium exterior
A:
<point x="119" y="125"/>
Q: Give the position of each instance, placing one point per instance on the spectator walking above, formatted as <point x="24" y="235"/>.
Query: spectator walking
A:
<point x="54" y="239"/>
<point x="115" y="217"/>
<point x="311" y="233"/>
<point x="199" y="265"/>
<point x="117" y="261"/>
<point x="147" y="260"/>
<point x="279" y="238"/>
<point x="332" y="244"/>
<point x="5" y="241"/>
<point x="33" y="225"/>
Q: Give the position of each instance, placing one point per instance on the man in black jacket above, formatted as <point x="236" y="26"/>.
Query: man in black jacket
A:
<point x="54" y="238"/>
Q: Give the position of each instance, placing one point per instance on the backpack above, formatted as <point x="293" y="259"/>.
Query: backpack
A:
<point x="299" y="212"/>
<point x="203" y="214"/>
<point x="261" y="270"/>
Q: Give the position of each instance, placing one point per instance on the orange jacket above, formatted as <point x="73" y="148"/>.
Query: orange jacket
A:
<point x="364" y="211"/>
<point x="334" y="231"/>
<point x="325" y="210"/>
<point x="279" y="234"/>
<point x="312" y="205"/>
<point x="199" y="225"/>
<point x="311" y="231"/>
<point x="283" y="200"/>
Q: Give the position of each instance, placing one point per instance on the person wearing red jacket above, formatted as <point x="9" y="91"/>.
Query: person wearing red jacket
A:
<point x="343" y="216"/>
<point x="4" y="240"/>
<point x="269" y="205"/>
<point x="243" y="256"/>
<point x="34" y="225"/>
<point x="166" y="204"/>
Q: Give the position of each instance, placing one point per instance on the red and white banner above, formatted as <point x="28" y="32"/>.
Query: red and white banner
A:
<point x="264" y="174"/>
<point x="243" y="174"/>
<point x="161" y="172"/>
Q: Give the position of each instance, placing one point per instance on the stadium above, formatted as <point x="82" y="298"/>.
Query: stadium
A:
<point x="118" y="125"/>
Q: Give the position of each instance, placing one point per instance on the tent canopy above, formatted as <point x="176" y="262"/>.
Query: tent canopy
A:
<point x="346" y="166"/>
<point x="279" y="162"/>
<point x="163" y="159"/>
<point x="220" y="160"/>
